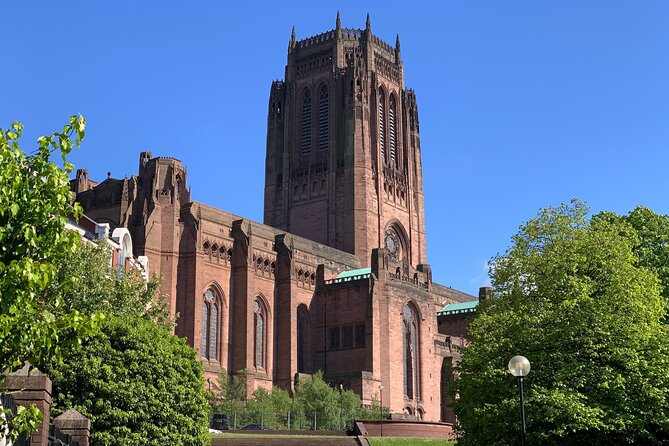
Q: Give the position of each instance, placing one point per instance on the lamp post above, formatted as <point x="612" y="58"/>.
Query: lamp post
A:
<point x="519" y="367"/>
<point x="381" y="407"/>
<point x="209" y="382"/>
<point x="341" y="403"/>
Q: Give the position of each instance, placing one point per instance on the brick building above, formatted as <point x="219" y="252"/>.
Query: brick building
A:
<point x="337" y="278"/>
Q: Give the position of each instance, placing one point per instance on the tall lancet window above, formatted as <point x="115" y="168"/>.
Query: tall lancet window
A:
<point x="392" y="131"/>
<point x="259" y="334"/>
<point x="209" y="347"/>
<point x="410" y="351"/>
<point x="323" y="118"/>
<point x="306" y="122"/>
<point x="382" y="125"/>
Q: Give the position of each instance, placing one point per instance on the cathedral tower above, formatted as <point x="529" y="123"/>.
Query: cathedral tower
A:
<point x="343" y="148"/>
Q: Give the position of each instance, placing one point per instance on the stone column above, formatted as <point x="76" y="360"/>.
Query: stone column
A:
<point x="32" y="387"/>
<point x="75" y="425"/>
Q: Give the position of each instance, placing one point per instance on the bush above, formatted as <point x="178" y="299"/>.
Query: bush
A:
<point x="139" y="385"/>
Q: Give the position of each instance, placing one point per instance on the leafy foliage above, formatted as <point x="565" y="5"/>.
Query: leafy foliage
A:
<point x="34" y="208"/>
<point x="571" y="296"/>
<point x="652" y="251"/>
<point x="137" y="383"/>
<point x="313" y="398"/>
<point x="86" y="282"/>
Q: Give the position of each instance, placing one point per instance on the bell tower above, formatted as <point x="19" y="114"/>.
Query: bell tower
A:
<point x="343" y="164"/>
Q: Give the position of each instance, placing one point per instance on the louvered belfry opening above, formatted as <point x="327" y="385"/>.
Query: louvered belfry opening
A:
<point x="306" y="122"/>
<point x="392" y="131"/>
<point x="382" y="125"/>
<point x="323" y="119"/>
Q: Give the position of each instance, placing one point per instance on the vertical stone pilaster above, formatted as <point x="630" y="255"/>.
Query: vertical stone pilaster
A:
<point x="30" y="386"/>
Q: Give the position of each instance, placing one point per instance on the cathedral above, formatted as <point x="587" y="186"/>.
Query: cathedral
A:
<point x="336" y="278"/>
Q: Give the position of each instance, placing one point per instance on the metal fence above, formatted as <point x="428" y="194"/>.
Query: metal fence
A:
<point x="289" y="420"/>
<point x="56" y="437"/>
<point x="9" y="411"/>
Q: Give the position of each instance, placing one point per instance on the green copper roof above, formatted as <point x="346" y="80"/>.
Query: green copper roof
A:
<point x="354" y="272"/>
<point x="462" y="307"/>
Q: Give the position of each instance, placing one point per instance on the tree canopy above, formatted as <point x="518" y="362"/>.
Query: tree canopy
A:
<point x="138" y="383"/>
<point x="35" y="205"/>
<point x="572" y="295"/>
<point x="135" y="380"/>
<point x="85" y="282"/>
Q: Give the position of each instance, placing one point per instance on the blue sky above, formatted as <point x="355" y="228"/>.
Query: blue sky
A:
<point x="523" y="104"/>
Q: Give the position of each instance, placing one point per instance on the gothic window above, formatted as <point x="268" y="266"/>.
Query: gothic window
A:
<point x="259" y="334"/>
<point x="306" y="122"/>
<point x="410" y="351"/>
<point x="392" y="131"/>
<point x="382" y="125"/>
<point x="121" y="259"/>
<point x="323" y="119"/>
<point x="359" y="335"/>
<point x="334" y="338"/>
<point x="302" y="338"/>
<point x="209" y="334"/>
<point x="393" y="244"/>
<point x="347" y="336"/>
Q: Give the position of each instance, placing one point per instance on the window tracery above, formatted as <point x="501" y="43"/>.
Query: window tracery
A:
<point x="210" y="322"/>
<point x="410" y="352"/>
<point x="259" y="334"/>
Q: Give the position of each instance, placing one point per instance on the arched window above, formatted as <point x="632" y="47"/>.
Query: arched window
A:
<point x="410" y="351"/>
<point x="302" y="338"/>
<point x="209" y="346"/>
<point x="382" y="125"/>
<point x="259" y="334"/>
<point x="306" y="122"/>
<point x="392" y="131"/>
<point x="323" y="119"/>
<point x="395" y="242"/>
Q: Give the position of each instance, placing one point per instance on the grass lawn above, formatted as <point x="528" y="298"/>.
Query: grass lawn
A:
<point x="408" y="441"/>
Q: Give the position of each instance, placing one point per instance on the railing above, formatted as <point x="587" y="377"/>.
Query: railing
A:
<point x="8" y="406"/>
<point x="409" y="281"/>
<point x="57" y="438"/>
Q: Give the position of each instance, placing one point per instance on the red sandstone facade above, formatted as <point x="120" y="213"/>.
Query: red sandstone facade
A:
<point x="337" y="279"/>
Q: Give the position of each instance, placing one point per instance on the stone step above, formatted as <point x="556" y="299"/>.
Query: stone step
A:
<point x="261" y="440"/>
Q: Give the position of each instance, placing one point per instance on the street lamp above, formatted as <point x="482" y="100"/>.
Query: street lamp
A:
<point x="209" y="382"/>
<point x="381" y="407"/>
<point x="519" y="367"/>
<point x="341" y="403"/>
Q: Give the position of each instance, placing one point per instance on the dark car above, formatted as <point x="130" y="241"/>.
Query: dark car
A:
<point x="220" y="422"/>
<point x="255" y="427"/>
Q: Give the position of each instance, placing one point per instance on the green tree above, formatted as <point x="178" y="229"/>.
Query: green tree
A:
<point x="35" y="205"/>
<point x="652" y="250"/>
<point x="86" y="282"/>
<point x="571" y="296"/>
<point x="138" y="383"/>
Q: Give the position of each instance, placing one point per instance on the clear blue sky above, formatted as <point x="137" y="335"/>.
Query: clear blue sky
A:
<point x="523" y="104"/>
